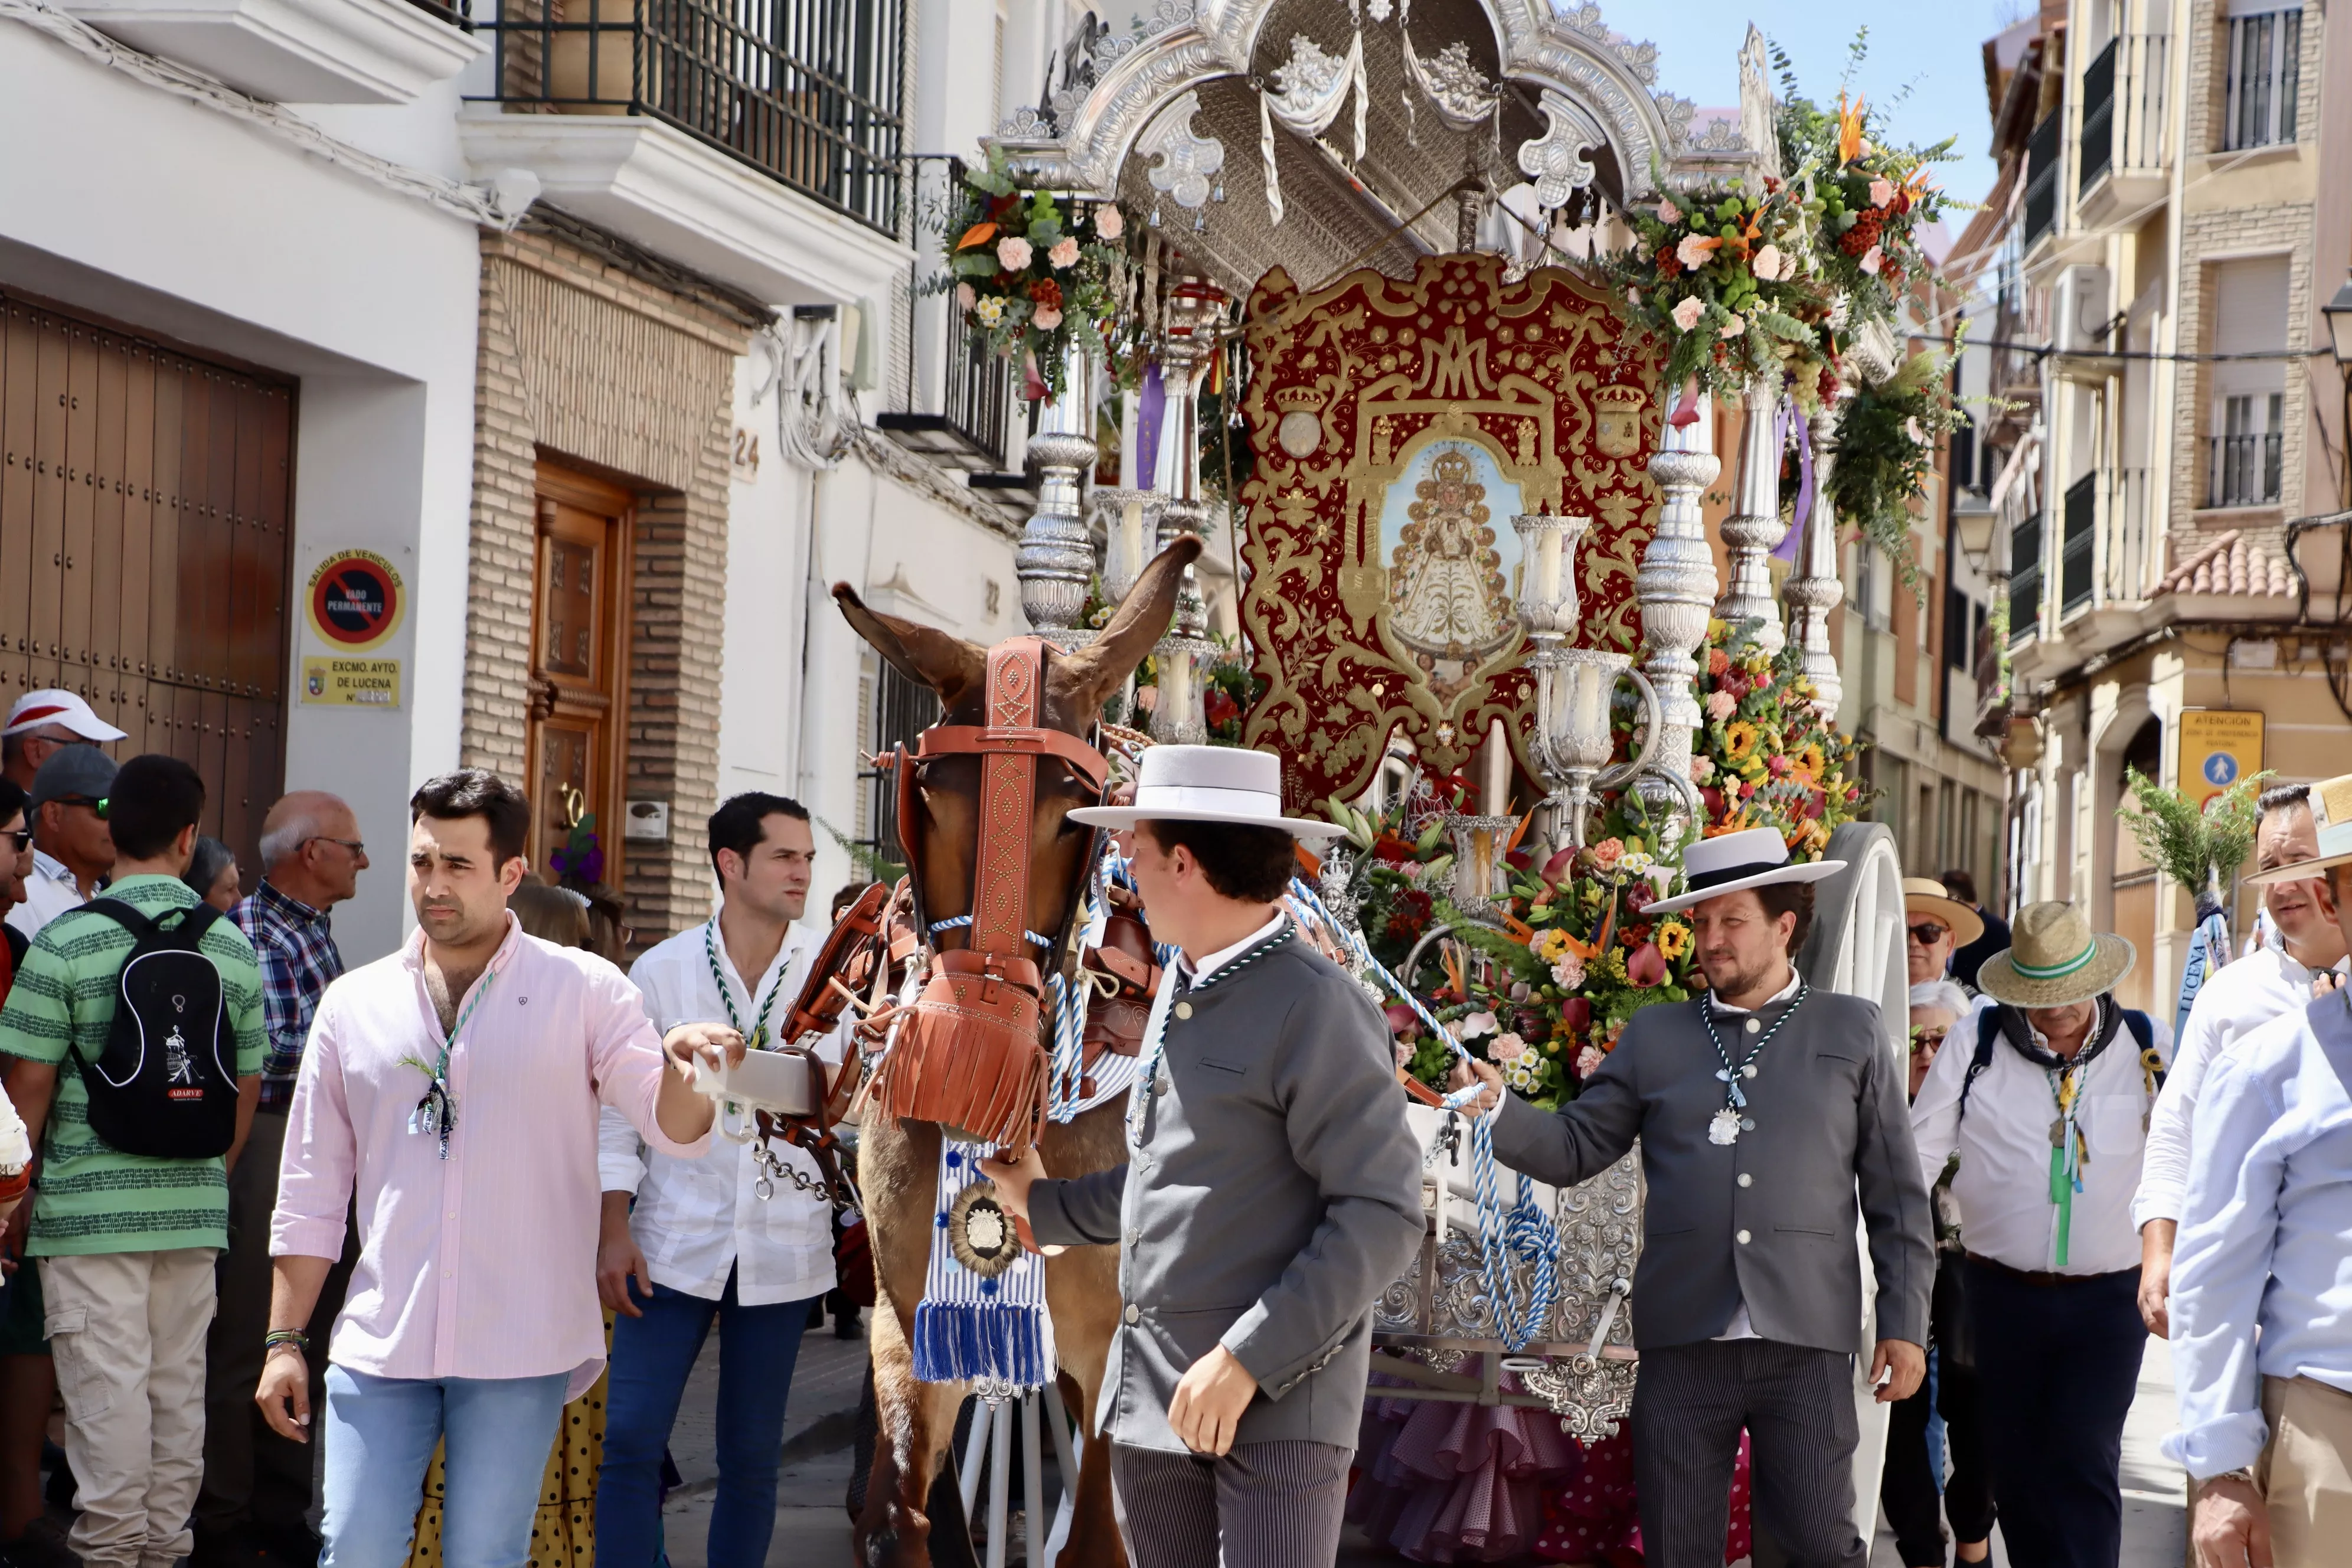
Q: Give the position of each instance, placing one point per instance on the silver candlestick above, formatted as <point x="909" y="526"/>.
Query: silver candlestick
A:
<point x="1056" y="561"/>
<point x="1130" y="520"/>
<point x="1675" y="588"/>
<point x="1817" y="590"/>
<point x="1573" y="739"/>
<point x="1479" y="844"/>
<point x="1755" y="530"/>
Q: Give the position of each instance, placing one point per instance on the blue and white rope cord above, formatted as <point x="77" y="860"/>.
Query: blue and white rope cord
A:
<point x="1526" y="1231"/>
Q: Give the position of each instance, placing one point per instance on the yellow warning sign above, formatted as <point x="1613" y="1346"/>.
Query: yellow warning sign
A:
<point x="2219" y="746"/>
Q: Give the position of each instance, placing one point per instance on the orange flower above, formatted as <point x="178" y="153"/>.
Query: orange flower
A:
<point x="1849" y="130"/>
<point x="978" y="233"/>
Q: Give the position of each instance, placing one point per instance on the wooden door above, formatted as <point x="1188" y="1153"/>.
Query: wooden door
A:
<point x="579" y="648"/>
<point x="145" y="540"/>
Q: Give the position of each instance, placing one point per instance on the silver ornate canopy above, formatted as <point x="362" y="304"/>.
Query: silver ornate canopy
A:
<point x="1559" y="99"/>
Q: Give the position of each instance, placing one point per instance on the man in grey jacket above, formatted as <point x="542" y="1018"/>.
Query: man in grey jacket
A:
<point x="1761" y="1107"/>
<point x="1273" y="1191"/>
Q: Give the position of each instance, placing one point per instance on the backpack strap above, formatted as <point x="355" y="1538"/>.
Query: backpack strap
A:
<point x="139" y="927"/>
<point x="195" y="920"/>
<point x="2143" y="1033"/>
<point x="1988" y="1034"/>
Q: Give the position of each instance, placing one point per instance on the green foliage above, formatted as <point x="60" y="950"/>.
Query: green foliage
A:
<point x="2195" y="849"/>
<point x="1886" y="441"/>
<point x="870" y="865"/>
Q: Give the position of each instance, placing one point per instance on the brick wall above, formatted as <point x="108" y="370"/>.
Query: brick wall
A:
<point x="592" y="354"/>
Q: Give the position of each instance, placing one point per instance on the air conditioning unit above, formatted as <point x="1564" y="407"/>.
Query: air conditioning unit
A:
<point x="2081" y="309"/>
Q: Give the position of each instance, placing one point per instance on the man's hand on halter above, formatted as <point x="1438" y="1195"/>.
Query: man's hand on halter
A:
<point x="1015" y="1177"/>
<point x="1489" y="1096"/>
<point x="1209" y="1403"/>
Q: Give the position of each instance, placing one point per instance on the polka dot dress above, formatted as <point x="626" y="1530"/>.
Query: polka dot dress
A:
<point x="563" y="1530"/>
<point x="1594" y="1517"/>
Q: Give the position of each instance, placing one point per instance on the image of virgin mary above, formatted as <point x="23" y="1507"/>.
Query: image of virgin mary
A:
<point x="1446" y="582"/>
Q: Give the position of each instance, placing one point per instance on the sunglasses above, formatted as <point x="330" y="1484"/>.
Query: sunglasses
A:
<point x="1927" y="1037"/>
<point x="1926" y="933"/>
<point x="23" y="836"/>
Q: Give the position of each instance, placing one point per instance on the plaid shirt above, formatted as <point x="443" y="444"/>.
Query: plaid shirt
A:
<point x="296" y="944"/>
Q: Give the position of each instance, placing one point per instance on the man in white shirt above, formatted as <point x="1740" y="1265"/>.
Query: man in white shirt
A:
<point x="2044" y="1096"/>
<point x="701" y="1241"/>
<point x="2262" y="1304"/>
<point x="2277" y="978"/>
<point x="73" y="851"/>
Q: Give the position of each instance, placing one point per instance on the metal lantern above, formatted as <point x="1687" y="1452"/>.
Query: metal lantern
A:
<point x="1176" y="713"/>
<point x="1479" y="844"/>
<point x="1548" y="600"/>
<point x="1129" y="518"/>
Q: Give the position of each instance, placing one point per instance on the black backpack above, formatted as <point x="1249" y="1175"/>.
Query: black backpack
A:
<point x="166" y="1084"/>
<point x="2135" y="1023"/>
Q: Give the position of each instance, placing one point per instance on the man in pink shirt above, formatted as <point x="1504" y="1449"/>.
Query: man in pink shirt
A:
<point x="453" y="1088"/>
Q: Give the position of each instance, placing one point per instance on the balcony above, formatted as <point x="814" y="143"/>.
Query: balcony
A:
<point x="2078" y="546"/>
<point x="2243" y="470"/>
<point x="2043" y="152"/>
<point x="2125" y="145"/>
<point x="2025" y="580"/>
<point x="757" y="141"/>
<point x="297" y="51"/>
<point x="971" y="430"/>
<point x="2134" y="557"/>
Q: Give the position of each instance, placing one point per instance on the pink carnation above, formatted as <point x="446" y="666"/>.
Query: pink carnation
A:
<point x="1721" y="705"/>
<point x="1065" y="253"/>
<point x="1882" y="193"/>
<point x="1734" y="325"/>
<point x="1047" y="318"/>
<point x="1667" y="212"/>
<point x="1771" y="264"/>
<point x="1687" y="315"/>
<point x="964" y="296"/>
<point x="1588" y="1061"/>
<point x="1507" y="1048"/>
<point x="1695" y="250"/>
<point x="1873" y="259"/>
<point x="1108" y="223"/>
<point x="1013" y="253"/>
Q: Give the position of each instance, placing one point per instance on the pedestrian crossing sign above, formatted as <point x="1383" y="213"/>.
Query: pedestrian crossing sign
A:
<point x="2219" y="746"/>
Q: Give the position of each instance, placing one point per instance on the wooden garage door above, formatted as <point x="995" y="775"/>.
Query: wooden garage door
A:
<point x="144" y="538"/>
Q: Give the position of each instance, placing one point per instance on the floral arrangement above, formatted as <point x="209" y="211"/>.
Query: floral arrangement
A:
<point x="1886" y="440"/>
<point x="1029" y="268"/>
<point x="1546" y="997"/>
<point x="581" y="861"/>
<point x="1771" y="275"/>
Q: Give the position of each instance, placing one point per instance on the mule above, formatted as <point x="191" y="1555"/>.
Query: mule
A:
<point x="898" y="1161"/>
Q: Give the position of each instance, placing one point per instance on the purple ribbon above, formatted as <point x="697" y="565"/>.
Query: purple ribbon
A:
<point x="1781" y="422"/>
<point x="1150" y="409"/>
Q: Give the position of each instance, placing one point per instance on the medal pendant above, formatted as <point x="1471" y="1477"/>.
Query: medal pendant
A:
<point x="2058" y="1133"/>
<point x="1725" y="1127"/>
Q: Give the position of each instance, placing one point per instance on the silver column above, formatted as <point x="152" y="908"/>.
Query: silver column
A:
<point x="1675" y="588"/>
<point x="1191" y="315"/>
<point x="1754" y="530"/>
<point x="1057" y="557"/>
<point x="1817" y="588"/>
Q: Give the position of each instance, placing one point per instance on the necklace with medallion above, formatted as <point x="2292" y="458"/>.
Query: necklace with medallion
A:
<point x="435" y="1112"/>
<point x="756" y="1037"/>
<point x="1727" y="1124"/>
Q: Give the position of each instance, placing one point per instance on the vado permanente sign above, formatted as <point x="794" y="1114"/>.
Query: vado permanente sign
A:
<point x="356" y="601"/>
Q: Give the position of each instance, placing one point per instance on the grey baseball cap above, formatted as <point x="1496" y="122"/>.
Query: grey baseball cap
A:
<point x="76" y="771"/>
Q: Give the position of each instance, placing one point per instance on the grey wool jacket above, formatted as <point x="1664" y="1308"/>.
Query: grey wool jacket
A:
<point x="1769" y="1219"/>
<point x="1276" y="1194"/>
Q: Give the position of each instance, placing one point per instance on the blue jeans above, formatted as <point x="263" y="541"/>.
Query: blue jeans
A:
<point x="380" y="1436"/>
<point x="651" y="1358"/>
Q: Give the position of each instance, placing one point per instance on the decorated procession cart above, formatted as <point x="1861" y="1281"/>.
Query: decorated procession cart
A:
<point x="1461" y="458"/>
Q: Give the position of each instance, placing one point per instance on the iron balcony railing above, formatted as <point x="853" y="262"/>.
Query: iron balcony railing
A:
<point x="978" y="397"/>
<point x="807" y="91"/>
<point x="2243" y="470"/>
<point x="2078" y="544"/>
<point x="2123" y="107"/>
<point x="2042" y="159"/>
<point x="2025" y="580"/>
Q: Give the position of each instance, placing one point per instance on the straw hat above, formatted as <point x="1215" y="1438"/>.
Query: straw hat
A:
<point x="2055" y="960"/>
<point x="1753" y="857"/>
<point x="1926" y="896"/>
<point x="2331" y="813"/>
<point x="1207" y="784"/>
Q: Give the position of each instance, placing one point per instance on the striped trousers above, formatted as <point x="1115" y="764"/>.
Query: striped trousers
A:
<point x="1797" y="1405"/>
<point x="1263" y="1505"/>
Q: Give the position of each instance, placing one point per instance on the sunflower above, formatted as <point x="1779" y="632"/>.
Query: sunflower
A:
<point x="1739" y="738"/>
<point x="1810" y="762"/>
<point x="1674" y="940"/>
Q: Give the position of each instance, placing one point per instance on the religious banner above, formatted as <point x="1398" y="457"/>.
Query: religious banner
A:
<point x="1398" y="428"/>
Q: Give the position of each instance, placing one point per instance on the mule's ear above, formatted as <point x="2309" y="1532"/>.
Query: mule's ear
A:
<point x="1097" y="670"/>
<point x="940" y="660"/>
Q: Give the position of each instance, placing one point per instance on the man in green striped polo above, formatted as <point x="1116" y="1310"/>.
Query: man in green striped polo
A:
<point x="126" y="1242"/>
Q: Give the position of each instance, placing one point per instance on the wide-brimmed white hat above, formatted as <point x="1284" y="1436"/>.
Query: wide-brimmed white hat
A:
<point x="1752" y="858"/>
<point x="53" y="705"/>
<point x="1207" y="784"/>
<point x="2056" y="959"/>
<point x="2331" y="813"/>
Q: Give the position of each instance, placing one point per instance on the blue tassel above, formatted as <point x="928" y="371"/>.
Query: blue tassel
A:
<point x="956" y="1342"/>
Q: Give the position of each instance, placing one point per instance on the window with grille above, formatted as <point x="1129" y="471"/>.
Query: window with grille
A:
<point x="903" y="708"/>
<point x="2265" y="69"/>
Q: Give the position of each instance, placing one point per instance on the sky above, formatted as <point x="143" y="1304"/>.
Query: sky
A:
<point x="1932" y="47"/>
